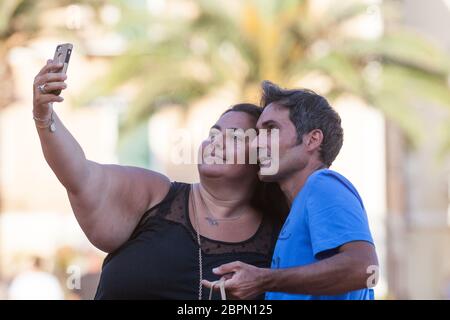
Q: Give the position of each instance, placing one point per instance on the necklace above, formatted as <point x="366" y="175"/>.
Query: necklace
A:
<point x="220" y="282"/>
<point x="200" y="258"/>
<point x="213" y="221"/>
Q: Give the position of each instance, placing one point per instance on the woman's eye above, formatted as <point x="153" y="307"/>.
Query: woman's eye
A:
<point x="213" y="136"/>
<point x="237" y="136"/>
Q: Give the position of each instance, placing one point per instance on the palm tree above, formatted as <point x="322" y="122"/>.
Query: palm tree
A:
<point x="179" y="59"/>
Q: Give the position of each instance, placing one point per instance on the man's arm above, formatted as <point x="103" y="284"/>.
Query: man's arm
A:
<point x="348" y="270"/>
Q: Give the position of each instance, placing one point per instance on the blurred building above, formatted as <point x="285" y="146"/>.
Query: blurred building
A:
<point x="418" y="221"/>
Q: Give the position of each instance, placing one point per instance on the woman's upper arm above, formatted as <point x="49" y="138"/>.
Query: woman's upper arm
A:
<point x="114" y="200"/>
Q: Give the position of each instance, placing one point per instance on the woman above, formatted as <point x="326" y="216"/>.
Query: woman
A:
<point x="162" y="237"/>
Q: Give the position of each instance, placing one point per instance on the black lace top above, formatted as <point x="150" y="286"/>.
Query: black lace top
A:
<point x="160" y="260"/>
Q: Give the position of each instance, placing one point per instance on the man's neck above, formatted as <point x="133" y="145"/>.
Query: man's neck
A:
<point x="293" y="184"/>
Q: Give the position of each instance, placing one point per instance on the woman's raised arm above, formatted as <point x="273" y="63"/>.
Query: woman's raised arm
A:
<point x="108" y="200"/>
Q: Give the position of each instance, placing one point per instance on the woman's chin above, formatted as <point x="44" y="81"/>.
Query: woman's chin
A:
<point x="212" y="169"/>
<point x="229" y="171"/>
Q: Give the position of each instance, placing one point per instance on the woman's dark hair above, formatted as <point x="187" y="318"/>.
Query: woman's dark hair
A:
<point x="268" y="197"/>
<point x="249" y="108"/>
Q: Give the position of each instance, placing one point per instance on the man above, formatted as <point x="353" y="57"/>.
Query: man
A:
<point x="325" y="249"/>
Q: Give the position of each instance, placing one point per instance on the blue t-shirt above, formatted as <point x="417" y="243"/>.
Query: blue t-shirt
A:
<point x="327" y="213"/>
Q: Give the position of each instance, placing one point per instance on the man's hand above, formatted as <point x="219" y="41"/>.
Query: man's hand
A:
<point x="246" y="281"/>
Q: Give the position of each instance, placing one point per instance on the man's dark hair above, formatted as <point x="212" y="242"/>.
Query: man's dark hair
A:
<point x="308" y="111"/>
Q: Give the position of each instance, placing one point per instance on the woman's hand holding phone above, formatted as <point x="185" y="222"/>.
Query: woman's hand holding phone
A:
<point x="50" y="78"/>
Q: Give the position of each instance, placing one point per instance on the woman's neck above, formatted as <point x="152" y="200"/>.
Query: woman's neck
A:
<point x="225" y="198"/>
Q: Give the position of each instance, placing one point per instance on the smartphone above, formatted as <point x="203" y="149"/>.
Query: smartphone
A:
<point x="62" y="55"/>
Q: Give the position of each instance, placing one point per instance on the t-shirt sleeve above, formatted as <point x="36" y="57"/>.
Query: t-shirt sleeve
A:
<point x="335" y="214"/>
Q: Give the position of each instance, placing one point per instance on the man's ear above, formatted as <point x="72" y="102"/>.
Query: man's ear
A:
<point x="313" y="139"/>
